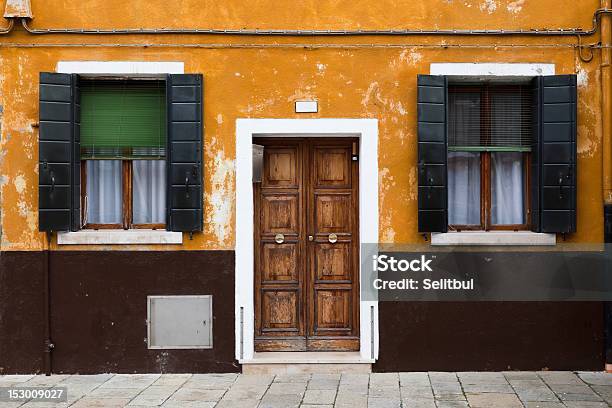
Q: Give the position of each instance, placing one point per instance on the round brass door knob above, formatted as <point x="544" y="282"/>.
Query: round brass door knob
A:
<point x="279" y="238"/>
<point x="333" y="238"/>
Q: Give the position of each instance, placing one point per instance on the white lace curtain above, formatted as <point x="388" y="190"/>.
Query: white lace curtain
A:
<point x="104" y="192"/>
<point x="507" y="191"/>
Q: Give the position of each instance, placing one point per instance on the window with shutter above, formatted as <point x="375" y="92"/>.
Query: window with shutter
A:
<point x="123" y="151"/>
<point x="490" y="135"/>
<point x="495" y="156"/>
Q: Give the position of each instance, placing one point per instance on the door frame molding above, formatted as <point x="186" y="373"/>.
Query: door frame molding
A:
<point x="367" y="132"/>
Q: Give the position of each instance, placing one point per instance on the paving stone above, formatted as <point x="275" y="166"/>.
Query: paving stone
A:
<point x="90" y="402"/>
<point x="585" y="404"/>
<point x="330" y="383"/>
<point x="8" y="380"/>
<point x="441" y="377"/>
<point x="287" y="388"/>
<point x="380" y="402"/>
<point x="40" y="404"/>
<point x="351" y="401"/>
<point x="596" y="378"/>
<point x="172" y="379"/>
<point x="191" y="394"/>
<point x="254" y="379"/>
<point x="452" y="404"/>
<point x="520" y="375"/>
<point x="189" y="404"/>
<point x="414" y="378"/>
<point x="353" y="389"/>
<point x="95" y="379"/>
<point x="560" y="378"/>
<point x="10" y="404"/>
<point x="245" y="392"/>
<point x="316" y="406"/>
<point x="131" y="381"/>
<point x="482" y="378"/>
<point x="447" y="388"/>
<point x="384" y="379"/>
<point x="325" y="377"/>
<point x="253" y="403"/>
<point x="292" y="378"/>
<point x="384" y="391"/>
<point x="485" y="387"/>
<point x="605" y="391"/>
<point x="416" y="391"/>
<point x="536" y="394"/>
<point x="567" y="392"/>
<point x="417" y="402"/>
<point x="114" y="392"/>
<point x="449" y="397"/>
<point x="280" y="401"/>
<point x="321" y="397"/>
<point x="213" y="381"/>
<point x="44" y="381"/>
<point x="493" y="401"/>
<point x="543" y="404"/>
<point x="359" y="379"/>
<point x="154" y="395"/>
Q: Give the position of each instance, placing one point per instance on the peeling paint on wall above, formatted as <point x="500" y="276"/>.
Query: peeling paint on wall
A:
<point x="220" y="201"/>
<point x="489" y="6"/>
<point x="516" y="6"/>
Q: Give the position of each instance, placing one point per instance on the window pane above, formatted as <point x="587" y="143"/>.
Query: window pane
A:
<point x="511" y="118"/>
<point x="463" y="188"/>
<point x="149" y="190"/>
<point x="104" y="192"/>
<point x="464" y="119"/>
<point x="507" y="189"/>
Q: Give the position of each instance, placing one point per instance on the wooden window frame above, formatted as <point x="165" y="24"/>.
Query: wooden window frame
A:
<point x="127" y="201"/>
<point x="485" y="172"/>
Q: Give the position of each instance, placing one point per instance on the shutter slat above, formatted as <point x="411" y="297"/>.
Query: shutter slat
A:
<point x="184" y="152"/>
<point x="432" y="148"/>
<point x="59" y="167"/>
<point x="554" y="157"/>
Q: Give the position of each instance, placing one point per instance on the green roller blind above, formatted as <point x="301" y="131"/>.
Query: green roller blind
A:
<point x="123" y="119"/>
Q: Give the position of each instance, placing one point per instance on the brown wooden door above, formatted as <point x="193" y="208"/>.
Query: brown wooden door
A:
<point x="307" y="286"/>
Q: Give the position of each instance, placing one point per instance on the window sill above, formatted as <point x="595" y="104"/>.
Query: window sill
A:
<point x="119" y="237"/>
<point x="494" y="238"/>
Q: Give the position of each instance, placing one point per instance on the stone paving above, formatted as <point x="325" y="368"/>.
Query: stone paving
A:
<point x="546" y="389"/>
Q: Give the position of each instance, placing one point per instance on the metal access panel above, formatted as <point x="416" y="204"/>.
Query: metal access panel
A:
<point x="258" y="162"/>
<point x="179" y="322"/>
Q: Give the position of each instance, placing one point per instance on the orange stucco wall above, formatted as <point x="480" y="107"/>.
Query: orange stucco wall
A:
<point x="261" y="77"/>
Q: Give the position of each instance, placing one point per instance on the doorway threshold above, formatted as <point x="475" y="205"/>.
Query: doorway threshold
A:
<point x="282" y="362"/>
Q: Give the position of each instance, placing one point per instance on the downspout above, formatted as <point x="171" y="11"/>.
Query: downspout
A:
<point x="48" y="344"/>
<point x="606" y="112"/>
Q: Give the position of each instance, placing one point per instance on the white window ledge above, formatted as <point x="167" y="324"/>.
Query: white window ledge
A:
<point x="119" y="237"/>
<point x="500" y="238"/>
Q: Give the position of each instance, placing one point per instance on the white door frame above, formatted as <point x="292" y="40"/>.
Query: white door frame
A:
<point x="367" y="132"/>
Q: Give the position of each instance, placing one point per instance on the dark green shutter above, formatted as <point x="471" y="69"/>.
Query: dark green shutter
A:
<point x="554" y="155"/>
<point x="59" y="163"/>
<point x="432" y="141"/>
<point x="184" y="154"/>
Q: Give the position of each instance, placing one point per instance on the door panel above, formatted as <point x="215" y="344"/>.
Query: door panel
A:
<point x="307" y="285"/>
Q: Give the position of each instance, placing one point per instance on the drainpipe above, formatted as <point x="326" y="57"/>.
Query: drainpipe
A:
<point x="606" y="109"/>
<point x="48" y="344"/>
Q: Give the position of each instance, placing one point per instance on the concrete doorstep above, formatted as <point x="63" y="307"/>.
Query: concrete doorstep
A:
<point x="511" y="389"/>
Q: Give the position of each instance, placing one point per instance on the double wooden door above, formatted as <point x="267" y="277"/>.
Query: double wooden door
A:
<point x="306" y="245"/>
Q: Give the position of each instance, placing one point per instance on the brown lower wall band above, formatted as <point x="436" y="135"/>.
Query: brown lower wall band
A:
<point x="98" y="312"/>
<point x="490" y="336"/>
